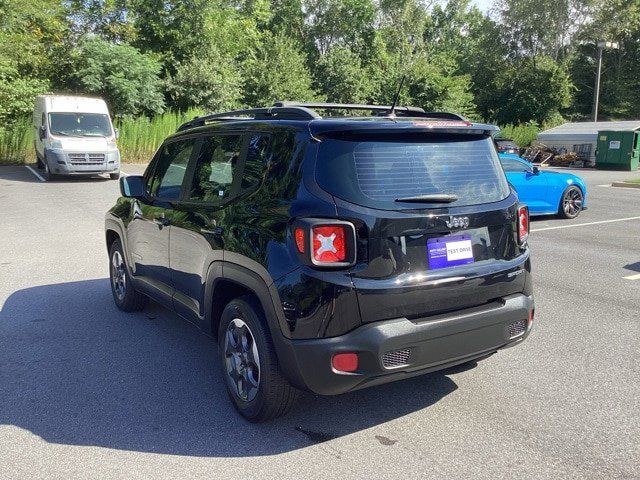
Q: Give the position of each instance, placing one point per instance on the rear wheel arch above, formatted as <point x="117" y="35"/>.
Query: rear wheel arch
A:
<point x="226" y="281"/>
<point x="240" y="281"/>
<point x="111" y="236"/>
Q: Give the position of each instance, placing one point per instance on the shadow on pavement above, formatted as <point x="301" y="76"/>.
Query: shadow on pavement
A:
<point x="18" y="173"/>
<point x="634" y="267"/>
<point x="75" y="370"/>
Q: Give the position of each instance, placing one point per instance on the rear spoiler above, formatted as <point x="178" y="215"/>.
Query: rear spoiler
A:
<point x="362" y="126"/>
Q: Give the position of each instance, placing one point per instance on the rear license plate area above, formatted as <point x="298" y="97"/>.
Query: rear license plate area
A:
<point x="444" y="252"/>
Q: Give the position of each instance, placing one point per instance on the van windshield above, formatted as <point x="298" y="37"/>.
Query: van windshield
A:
<point x="80" y="124"/>
<point x="383" y="170"/>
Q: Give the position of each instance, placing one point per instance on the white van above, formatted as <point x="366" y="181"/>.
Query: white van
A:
<point x="74" y="136"/>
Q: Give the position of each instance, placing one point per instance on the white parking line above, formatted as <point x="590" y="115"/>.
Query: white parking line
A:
<point x="633" y="277"/>
<point x="585" y="224"/>
<point x="34" y="172"/>
<point x="124" y="173"/>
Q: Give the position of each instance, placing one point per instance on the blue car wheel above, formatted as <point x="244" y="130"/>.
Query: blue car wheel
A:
<point x="571" y="202"/>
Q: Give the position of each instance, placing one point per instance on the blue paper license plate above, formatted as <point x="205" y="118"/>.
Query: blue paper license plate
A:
<point x="449" y="251"/>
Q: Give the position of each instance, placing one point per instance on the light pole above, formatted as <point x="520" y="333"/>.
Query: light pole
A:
<point x="596" y="95"/>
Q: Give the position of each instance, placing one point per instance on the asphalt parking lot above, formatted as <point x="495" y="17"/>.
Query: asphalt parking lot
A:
<point x="87" y="391"/>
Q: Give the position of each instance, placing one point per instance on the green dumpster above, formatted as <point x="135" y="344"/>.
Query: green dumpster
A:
<point x="617" y="150"/>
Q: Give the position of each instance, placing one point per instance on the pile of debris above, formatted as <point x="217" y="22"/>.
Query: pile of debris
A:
<point x="540" y="154"/>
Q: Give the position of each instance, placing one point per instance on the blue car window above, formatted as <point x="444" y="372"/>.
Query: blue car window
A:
<point x="513" y="165"/>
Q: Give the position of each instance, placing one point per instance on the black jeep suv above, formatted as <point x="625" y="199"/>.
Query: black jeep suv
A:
<point x="327" y="253"/>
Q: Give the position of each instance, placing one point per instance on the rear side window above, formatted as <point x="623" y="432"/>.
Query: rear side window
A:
<point x="258" y="156"/>
<point x="171" y="168"/>
<point x="216" y="167"/>
<point x="376" y="171"/>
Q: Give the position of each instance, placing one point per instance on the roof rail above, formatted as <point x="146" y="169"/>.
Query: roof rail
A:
<point x="269" y="113"/>
<point x="414" y="111"/>
<point x="305" y="111"/>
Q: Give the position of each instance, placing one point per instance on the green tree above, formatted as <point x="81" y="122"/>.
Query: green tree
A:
<point x="277" y="71"/>
<point x="126" y="78"/>
<point x="530" y="90"/>
<point x="172" y="29"/>
<point x="341" y="76"/>
<point x="17" y="93"/>
<point x="435" y="86"/>
<point x="110" y="19"/>
<point x="333" y="22"/>
<point x="212" y="83"/>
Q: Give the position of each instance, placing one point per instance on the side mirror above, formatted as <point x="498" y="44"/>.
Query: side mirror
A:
<point x="42" y="132"/>
<point x="132" y="186"/>
<point x="116" y="133"/>
<point x="535" y="170"/>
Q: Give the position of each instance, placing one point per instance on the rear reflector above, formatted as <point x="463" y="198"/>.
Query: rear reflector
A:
<point x="345" y="362"/>
<point x="329" y="244"/>
<point x="517" y="328"/>
<point x="299" y="236"/>
<point x="523" y="224"/>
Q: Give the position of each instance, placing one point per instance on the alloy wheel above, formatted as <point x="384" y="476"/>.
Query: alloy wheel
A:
<point x="242" y="361"/>
<point x="572" y="202"/>
<point x="118" y="275"/>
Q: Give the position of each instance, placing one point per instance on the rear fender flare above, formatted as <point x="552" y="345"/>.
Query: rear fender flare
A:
<point x="115" y="225"/>
<point x="267" y="294"/>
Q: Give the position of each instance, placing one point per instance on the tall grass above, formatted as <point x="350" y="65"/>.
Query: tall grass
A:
<point x="140" y="137"/>
<point x="16" y="143"/>
<point x="523" y="134"/>
<point x="138" y="140"/>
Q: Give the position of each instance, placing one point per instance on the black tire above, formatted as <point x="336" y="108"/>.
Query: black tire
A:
<point x="273" y="396"/>
<point x="39" y="162"/>
<point x="127" y="298"/>
<point x="114" y="176"/>
<point x="571" y="202"/>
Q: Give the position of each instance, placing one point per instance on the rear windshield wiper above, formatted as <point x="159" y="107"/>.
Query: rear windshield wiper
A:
<point x="430" y="198"/>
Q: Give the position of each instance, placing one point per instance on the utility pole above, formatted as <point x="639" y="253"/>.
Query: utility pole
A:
<point x="596" y="95"/>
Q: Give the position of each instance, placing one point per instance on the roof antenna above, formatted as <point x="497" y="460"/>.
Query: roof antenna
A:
<point x="392" y="112"/>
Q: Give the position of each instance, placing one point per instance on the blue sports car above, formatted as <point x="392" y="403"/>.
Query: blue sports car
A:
<point x="545" y="192"/>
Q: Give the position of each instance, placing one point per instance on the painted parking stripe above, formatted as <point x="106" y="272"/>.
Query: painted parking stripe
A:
<point x="585" y="224"/>
<point x="633" y="277"/>
<point x="124" y="173"/>
<point x="38" y="176"/>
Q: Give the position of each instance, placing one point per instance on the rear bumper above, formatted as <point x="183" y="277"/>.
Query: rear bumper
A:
<point x="432" y="343"/>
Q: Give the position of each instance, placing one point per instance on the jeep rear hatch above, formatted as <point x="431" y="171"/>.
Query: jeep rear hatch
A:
<point x="434" y="215"/>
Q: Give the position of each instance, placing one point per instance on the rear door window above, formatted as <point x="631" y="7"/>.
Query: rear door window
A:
<point x="375" y="171"/>
<point x="258" y="156"/>
<point x="216" y="168"/>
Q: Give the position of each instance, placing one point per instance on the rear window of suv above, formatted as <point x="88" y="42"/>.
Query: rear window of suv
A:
<point x="374" y="171"/>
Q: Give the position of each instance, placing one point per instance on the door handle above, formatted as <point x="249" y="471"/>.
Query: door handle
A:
<point x="162" y="221"/>
<point x="214" y="231"/>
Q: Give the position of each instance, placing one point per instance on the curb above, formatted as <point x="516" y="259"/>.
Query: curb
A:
<point x="625" y="185"/>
